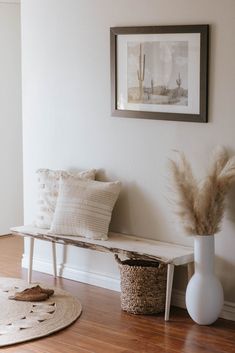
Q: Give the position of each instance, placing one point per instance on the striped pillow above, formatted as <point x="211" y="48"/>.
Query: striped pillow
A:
<point x="48" y="188"/>
<point x="84" y="207"/>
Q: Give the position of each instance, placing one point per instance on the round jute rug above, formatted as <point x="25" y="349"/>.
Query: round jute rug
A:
<point x="24" y="321"/>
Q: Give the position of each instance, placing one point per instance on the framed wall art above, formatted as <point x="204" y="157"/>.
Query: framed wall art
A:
<point x="160" y="72"/>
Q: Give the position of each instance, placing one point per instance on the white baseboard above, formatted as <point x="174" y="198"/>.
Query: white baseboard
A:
<point x="74" y="274"/>
<point x="100" y="280"/>
<point x="228" y="311"/>
<point x="178" y="298"/>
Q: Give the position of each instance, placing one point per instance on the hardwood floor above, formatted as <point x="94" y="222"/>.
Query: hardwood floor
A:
<point x="104" y="328"/>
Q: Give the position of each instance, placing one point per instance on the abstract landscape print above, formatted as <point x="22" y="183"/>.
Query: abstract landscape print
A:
<point x="160" y="72"/>
<point x="157" y="72"/>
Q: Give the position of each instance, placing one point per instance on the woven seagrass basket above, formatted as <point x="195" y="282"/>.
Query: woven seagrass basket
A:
<point x="143" y="286"/>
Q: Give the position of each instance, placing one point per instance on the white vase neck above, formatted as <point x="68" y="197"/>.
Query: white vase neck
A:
<point x="204" y="253"/>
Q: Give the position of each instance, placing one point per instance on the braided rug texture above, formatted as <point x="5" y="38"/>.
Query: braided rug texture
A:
<point x="23" y="321"/>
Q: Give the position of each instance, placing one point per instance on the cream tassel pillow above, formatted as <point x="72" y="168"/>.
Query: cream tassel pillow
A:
<point x="48" y="188"/>
<point x="84" y="207"/>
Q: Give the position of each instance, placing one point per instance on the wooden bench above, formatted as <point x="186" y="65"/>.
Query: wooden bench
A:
<point x="133" y="247"/>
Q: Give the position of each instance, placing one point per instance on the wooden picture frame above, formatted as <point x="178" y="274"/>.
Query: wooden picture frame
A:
<point x="160" y="72"/>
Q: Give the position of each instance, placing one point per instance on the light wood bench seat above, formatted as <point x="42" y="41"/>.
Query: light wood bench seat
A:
<point x="133" y="247"/>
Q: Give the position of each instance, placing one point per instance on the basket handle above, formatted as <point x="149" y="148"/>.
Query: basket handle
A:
<point x="117" y="259"/>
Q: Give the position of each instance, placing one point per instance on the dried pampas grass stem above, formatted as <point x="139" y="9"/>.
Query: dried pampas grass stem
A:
<point x="201" y="208"/>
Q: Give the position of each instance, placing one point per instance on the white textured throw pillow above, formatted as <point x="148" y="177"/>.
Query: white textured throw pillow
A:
<point x="48" y="188"/>
<point x="84" y="207"/>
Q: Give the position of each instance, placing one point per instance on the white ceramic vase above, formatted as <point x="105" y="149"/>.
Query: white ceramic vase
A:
<point x="204" y="294"/>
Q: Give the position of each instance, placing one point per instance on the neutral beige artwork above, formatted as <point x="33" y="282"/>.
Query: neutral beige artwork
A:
<point x="157" y="72"/>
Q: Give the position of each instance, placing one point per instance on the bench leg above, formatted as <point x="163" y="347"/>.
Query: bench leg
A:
<point x="30" y="268"/>
<point x="169" y="283"/>
<point x="54" y="258"/>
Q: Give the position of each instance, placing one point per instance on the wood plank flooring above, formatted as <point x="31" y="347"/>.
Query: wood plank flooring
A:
<point x="104" y="328"/>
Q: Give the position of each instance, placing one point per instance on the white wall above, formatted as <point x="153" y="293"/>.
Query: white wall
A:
<point x="67" y="122"/>
<point x="11" y="186"/>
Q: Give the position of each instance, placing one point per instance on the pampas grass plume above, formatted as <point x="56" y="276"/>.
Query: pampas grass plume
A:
<point x="200" y="208"/>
